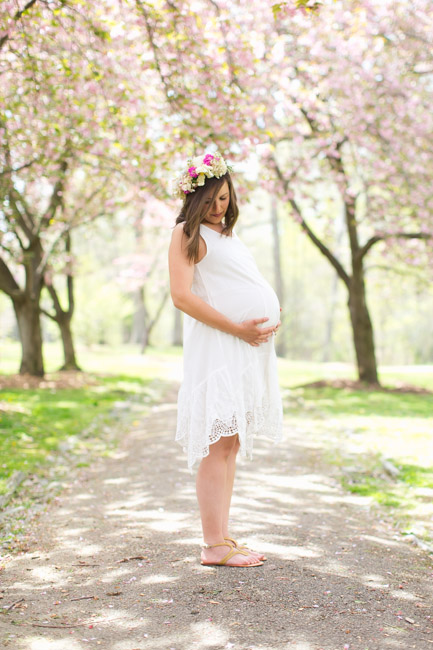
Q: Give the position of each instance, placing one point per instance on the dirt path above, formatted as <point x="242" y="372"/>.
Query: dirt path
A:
<point x="113" y="561"/>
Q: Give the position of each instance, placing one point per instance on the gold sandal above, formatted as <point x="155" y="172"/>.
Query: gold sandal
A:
<point x="233" y="551"/>
<point x="244" y="548"/>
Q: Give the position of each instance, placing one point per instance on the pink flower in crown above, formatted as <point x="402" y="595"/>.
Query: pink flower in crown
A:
<point x="192" y="172"/>
<point x="207" y="160"/>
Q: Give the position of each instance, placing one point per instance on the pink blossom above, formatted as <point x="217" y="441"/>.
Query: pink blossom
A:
<point x="192" y="172"/>
<point x="207" y="160"/>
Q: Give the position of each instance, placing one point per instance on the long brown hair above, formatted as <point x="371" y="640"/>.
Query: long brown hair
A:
<point x="194" y="210"/>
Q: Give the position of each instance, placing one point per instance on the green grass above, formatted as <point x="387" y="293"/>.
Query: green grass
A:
<point x="295" y="373"/>
<point x="125" y="359"/>
<point x="357" y="430"/>
<point x="408" y="498"/>
<point x="34" y="423"/>
<point x="341" y="403"/>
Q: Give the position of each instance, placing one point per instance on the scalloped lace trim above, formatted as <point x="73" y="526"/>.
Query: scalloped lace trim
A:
<point x="263" y="420"/>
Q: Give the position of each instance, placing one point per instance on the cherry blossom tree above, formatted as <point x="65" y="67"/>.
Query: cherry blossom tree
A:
<point x="75" y="98"/>
<point x="355" y="112"/>
<point x="340" y="95"/>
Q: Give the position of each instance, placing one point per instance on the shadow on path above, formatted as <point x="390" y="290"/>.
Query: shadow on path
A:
<point x="113" y="562"/>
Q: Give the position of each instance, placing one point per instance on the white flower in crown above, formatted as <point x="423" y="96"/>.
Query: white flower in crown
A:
<point x="200" y="168"/>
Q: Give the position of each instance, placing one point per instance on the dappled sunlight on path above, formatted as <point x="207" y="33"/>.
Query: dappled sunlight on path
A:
<point x="114" y="561"/>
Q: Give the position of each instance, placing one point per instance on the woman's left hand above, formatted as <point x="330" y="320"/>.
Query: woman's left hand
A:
<point x="277" y="326"/>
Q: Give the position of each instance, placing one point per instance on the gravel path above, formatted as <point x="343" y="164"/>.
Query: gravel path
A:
<point x="113" y="560"/>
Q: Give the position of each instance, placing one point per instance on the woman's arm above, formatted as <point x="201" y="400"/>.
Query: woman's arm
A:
<point x="181" y="276"/>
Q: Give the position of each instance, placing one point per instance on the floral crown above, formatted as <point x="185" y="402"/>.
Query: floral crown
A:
<point x="200" y="168"/>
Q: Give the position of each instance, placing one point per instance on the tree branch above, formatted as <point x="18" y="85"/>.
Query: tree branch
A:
<point x="24" y="220"/>
<point x="56" y="197"/>
<point x="228" y="53"/>
<point x="56" y="302"/>
<point x="16" y="17"/>
<point x="414" y="273"/>
<point x="8" y="283"/>
<point x="46" y="313"/>
<point x="5" y="248"/>
<point x="316" y="241"/>
<point x="157" y="315"/>
<point x="400" y="235"/>
<point x="322" y="248"/>
<point x="12" y="170"/>
<point x="168" y="89"/>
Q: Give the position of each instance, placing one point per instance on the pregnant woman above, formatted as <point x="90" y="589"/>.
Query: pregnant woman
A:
<point x="230" y="388"/>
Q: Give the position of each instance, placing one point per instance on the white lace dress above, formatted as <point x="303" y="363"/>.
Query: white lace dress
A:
<point x="229" y="386"/>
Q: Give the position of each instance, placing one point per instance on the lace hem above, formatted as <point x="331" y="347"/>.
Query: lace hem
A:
<point x="214" y="410"/>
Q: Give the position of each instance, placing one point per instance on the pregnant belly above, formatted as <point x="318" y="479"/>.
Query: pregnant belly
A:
<point x="245" y="303"/>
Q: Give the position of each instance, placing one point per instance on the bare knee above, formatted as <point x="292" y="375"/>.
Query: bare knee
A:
<point x="235" y="446"/>
<point x="225" y="447"/>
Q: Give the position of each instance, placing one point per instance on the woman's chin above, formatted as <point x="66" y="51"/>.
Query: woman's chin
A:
<point x="215" y="219"/>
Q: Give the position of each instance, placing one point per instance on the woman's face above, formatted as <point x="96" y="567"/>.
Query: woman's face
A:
<point x="219" y="206"/>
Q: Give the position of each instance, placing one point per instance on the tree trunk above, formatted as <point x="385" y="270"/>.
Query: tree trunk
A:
<point x="151" y="322"/>
<point x="139" y="317"/>
<point x="70" y="361"/>
<point x="362" y="330"/>
<point x="28" y="229"/>
<point x="362" y="327"/>
<point x="145" y="339"/>
<point x="29" y="326"/>
<point x="63" y="317"/>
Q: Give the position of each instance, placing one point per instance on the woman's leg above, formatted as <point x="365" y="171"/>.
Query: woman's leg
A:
<point x="230" y="477"/>
<point x="212" y="482"/>
<point x="231" y="469"/>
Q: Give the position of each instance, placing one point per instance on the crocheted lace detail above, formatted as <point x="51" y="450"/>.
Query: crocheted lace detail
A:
<point x="213" y="411"/>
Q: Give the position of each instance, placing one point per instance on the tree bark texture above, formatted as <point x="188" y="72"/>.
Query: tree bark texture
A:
<point x="70" y="360"/>
<point x="29" y="326"/>
<point x="26" y="307"/>
<point x="362" y="330"/>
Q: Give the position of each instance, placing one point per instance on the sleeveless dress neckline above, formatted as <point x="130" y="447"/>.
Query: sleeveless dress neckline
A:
<point x="216" y="231"/>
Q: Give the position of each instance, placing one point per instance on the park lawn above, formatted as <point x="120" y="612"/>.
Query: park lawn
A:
<point x="358" y="431"/>
<point x="35" y="423"/>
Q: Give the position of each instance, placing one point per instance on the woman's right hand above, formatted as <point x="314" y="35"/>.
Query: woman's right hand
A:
<point x="252" y="334"/>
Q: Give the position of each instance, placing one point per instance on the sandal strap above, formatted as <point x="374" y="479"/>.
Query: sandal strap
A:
<point x="235" y="543"/>
<point x="234" y="551"/>
<point x="219" y="544"/>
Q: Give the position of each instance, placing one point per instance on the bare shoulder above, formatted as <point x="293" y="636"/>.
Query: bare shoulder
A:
<point x="178" y="245"/>
<point x="178" y="230"/>
<point x="178" y="236"/>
